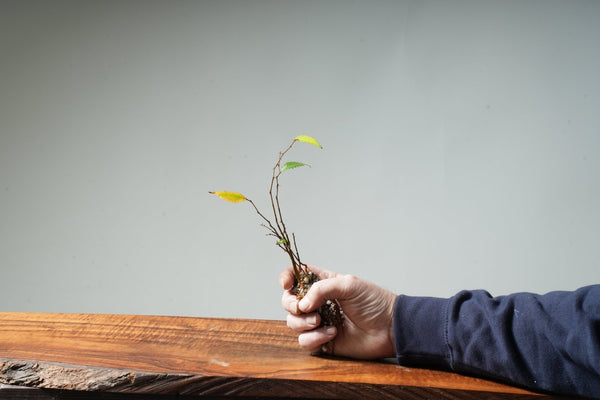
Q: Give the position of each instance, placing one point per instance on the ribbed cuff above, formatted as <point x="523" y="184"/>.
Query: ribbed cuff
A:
<point x="420" y="332"/>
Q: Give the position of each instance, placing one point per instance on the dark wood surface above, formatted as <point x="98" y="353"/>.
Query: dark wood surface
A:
<point x="120" y="356"/>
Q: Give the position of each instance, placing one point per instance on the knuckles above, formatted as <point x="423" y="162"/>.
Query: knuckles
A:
<point x="350" y="281"/>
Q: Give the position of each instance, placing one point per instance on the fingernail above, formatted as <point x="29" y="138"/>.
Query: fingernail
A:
<point x="330" y="330"/>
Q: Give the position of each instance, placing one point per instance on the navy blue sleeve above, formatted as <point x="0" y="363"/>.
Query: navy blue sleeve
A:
<point x="545" y="342"/>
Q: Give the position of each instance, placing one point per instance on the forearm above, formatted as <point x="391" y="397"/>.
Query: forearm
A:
<point x="549" y="342"/>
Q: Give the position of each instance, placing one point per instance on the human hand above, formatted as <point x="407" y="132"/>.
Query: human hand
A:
<point x="367" y="331"/>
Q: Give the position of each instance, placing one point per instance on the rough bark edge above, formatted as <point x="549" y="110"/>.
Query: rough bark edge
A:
<point x="68" y="378"/>
<point x="62" y="376"/>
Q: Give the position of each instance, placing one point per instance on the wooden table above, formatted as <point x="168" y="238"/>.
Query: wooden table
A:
<point x="87" y="356"/>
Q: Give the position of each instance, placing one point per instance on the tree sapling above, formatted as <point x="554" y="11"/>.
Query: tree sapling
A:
<point x="331" y="313"/>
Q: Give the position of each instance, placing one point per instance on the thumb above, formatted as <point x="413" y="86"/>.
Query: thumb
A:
<point x="340" y="288"/>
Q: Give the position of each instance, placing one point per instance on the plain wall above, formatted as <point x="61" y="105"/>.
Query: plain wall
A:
<point x="461" y="149"/>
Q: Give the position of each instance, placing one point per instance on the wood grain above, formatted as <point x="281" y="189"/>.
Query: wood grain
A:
<point x="164" y="356"/>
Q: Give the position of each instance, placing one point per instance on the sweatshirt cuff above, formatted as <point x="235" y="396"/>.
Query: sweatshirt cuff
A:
<point x="420" y="332"/>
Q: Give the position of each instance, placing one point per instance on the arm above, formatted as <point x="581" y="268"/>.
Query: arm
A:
<point x="544" y="342"/>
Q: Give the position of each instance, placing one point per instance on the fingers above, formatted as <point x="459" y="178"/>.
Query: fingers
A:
<point x="303" y="322"/>
<point x="315" y="339"/>
<point x="322" y="273"/>
<point x="286" y="278"/>
<point x="339" y="287"/>
<point x="289" y="302"/>
<point x="331" y="286"/>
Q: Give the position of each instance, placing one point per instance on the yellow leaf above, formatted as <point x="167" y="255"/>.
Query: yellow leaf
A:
<point x="308" y="139"/>
<point x="233" y="197"/>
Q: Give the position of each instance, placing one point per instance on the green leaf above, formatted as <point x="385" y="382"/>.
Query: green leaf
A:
<point x="292" y="165"/>
<point x="233" y="197"/>
<point x="308" y="139"/>
<point x="282" y="241"/>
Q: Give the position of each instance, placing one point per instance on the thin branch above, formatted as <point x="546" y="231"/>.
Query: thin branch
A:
<point x="277" y="214"/>
<point x="298" y="254"/>
<point x="273" y="178"/>
<point x="276" y="177"/>
<point x="279" y="230"/>
<point x="270" y="226"/>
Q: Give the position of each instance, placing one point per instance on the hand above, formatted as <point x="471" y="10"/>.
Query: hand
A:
<point x="367" y="331"/>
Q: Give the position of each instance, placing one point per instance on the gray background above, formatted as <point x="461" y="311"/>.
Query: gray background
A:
<point x="461" y="149"/>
